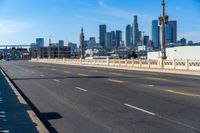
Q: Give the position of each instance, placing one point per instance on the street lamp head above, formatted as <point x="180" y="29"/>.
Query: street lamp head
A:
<point x="166" y="19"/>
<point x="160" y="20"/>
<point x="163" y="2"/>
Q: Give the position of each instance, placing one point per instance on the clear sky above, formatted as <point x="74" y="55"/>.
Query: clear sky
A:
<point x="21" y="21"/>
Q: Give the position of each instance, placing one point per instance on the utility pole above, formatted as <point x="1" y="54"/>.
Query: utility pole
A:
<point x="82" y="38"/>
<point x="163" y="19"/>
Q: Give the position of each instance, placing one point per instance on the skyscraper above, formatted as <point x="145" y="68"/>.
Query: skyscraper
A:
<point x="145" y="40"/>
<point x="40" y="42"/>
<point x="113" y="37"/>
<point x="108" y="41"/>
<point x="171" y="32"/>
<point x="168" y="34"/>
<point x="129" y="36"/>
<point x="136" y="34"/>
<point x="155" y="35"/>
<point x="173" y="25"/>
<point x="102" y="35"/>
<point x="118" y="38"/>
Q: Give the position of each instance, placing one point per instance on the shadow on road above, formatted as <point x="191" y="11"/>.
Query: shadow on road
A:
<point x="11" y="120"/>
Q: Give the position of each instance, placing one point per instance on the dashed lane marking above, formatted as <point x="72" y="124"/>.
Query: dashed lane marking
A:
<point x="42" y="75"/>
<point x="66" y="72"/>
<point x="139" y="109"/>
<point x="159" y="79"/>
<point x="56" y="80"/>
<point x="84" y="75"/>
<point x="118" y="74"/>
<point x="81" y="89"/>
<point x="116" y="81"/>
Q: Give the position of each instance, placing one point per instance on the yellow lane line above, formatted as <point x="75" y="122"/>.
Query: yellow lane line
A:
<point x="118" y="74"/>
<point x="116" y="81"/>
<point x="85" y="75"/>
<point x="159" y="79"/>
<point x="183" y="93"/>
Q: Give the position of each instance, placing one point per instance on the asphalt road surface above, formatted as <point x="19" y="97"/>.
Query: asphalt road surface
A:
<point x="77" y="99"/>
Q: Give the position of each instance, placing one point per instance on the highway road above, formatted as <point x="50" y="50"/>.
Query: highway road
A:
<point x="79" y="99"/>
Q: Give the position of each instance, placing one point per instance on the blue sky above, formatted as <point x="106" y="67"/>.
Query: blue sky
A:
<point x="21" y="21"/>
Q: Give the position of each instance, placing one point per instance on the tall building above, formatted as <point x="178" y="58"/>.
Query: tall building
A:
<point x="183" y="41"/>
<point x="91" y="42"/>
<point x="136" y="32"/>
<point x="173" y="25"/>
<point x="40" y="42"/>
<point x="168" y="34"/>
<point x="108" y="41"/>
<point x="145" y="40"/>
<point x="72" y="46"/>
<point x="118" y="38"/>
<point x="102" y="35"/>
<point x="155" y="35"/>
<point x="113" y="37"/>
<point x="129" y="36"/>
<point x="171" y="32"/>
<point x="61" y="43"/>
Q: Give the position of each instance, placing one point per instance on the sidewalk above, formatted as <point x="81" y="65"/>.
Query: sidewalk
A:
<point x="14" y="116"/>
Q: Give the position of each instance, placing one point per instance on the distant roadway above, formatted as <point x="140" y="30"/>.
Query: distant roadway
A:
<point x="78" y="99"/>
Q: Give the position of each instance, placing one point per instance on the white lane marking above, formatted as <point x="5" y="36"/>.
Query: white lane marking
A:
<point x="139" y="109"/>
<point x="56" y="80"/>
<point x="41" y="75"/>
<point x="32" y="72"/>
<point x="5" y="131"/>
<point x="53" y="69"/>
<point x="81" y="89"/>
<point x="151" y="85"/>
<point x="2" y="116"/>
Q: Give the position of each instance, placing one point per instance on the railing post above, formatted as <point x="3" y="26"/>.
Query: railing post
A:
<point x="140" y="63"/>
<point x="149" y="63"/>
<point x="81" y="61"/>
<point x="126" y="62"/>
<point x="108" y="61"/>
<point x="187" y="64"/>
<point x="132" y="62"/>
<point x="174" y="64"/>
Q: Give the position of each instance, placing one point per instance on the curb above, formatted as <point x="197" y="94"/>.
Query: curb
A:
<point x="41" y="128"/>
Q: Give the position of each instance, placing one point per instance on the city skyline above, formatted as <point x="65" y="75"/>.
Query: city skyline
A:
<point x="22" y="22"/>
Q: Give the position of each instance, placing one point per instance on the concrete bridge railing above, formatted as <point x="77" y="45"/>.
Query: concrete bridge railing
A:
<point x="154" y="64"/>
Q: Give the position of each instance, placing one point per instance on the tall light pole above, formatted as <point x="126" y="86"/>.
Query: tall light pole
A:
<point x="163" y="19"/>
<point x="82" y="38"/>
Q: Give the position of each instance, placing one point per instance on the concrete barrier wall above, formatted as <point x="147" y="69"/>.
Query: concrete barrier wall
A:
<point x="167" y="64"/>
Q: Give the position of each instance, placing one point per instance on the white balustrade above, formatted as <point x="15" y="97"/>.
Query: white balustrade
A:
<point x="167" y="64"/>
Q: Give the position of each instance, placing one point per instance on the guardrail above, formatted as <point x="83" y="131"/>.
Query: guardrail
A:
<point x="167" y="64"/>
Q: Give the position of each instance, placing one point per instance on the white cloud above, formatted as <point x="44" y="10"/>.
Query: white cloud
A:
<point x="108" y="10"/>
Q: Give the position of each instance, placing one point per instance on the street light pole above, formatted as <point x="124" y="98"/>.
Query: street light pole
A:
<point x="163" y="19"/>
<point x="82" y="38"/>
